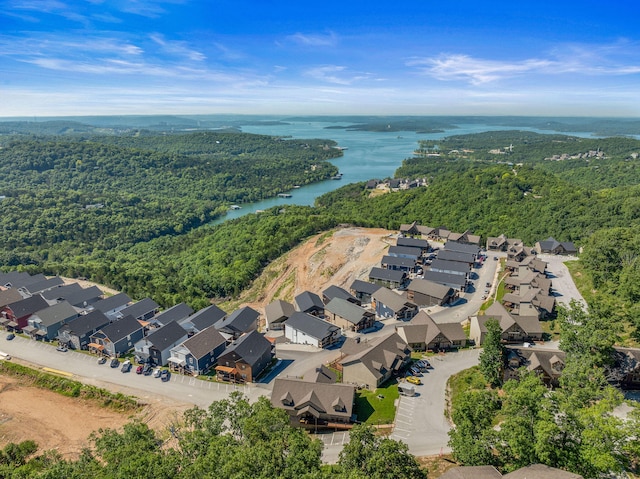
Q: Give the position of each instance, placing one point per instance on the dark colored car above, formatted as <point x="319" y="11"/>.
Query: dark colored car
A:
<point x="114" y="363"/>
<point x="126" y="367"/>
<point x="10" y="336"/>
<point x="147" y="370"/>
<point x="165" y="375"/>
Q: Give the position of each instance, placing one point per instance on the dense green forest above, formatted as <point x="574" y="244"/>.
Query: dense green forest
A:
<point x="575" y="428"/>
<point x="232" y="439"/>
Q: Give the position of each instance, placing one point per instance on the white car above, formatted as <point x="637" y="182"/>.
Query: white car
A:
<point x="157" y="372"/>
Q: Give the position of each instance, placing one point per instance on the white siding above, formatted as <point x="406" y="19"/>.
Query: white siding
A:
<point x="298" y="337"/>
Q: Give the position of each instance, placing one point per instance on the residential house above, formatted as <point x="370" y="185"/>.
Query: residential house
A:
<point x="175" y="313"/>
<point x="422" y="244"/>
<point x="117" y="338"/>
<point x="88" y="297"/>
<point x="277" y="312"/>
<point x="441" y="233"/>
<point x="459" y="256"/>
<point x="18" y="313"/>
<point x="239" y="322"/>
<point x="410" y="230"/>
<point x="389" y="304"/>
<point x="198" y="354"/>
<point x="551" y="246"/>
<point x="348" y="316"/>
<point x="338" y="292"/>
<point x="363" y="290"/>
<point x="515" y="329"/>
<point x="429" y="293"/>
<point x="407" y="252"/>
<point x="454" y="281"/>
<point x="8" y="296"/>
<point x="142" y="310"/>
<point x="450" y="267"/>
<point x="399" y="264"/>
<point x="245" y="358"/>
<point x="465" y="238"/>
<point x="321" y="375"/>
<point x="530" y="302"/>
<point x="155" y="348"/>
<point x="202" y="319"/>
<point x="112" y="305"/>
<point x="308" y="302"/>
<point x="314" y="403"/>
<point x="40" y="286"/>
<point x="45" y="323"/>
<point x="60" y="293"/>
<point x="77" y="334"/>
<point x="18" y="280"/>
<point x="370" y="363"/>
<point x="387" y="277"/>
<point x="462" y="248"/>
<point x="546" y="363"/>
<point x="302" y="328"/>
<point x="424" y="334"/>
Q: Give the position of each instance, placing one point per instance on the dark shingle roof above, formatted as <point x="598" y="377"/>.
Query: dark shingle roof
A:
<point x="90" y="296"/>
<point x="166" y="336"/>
<point x="121" y="328"/>
<point x="337" y="292"/>
<point x="250" y="347"/>
<point x="57" y="313"/>
<point x="307" y="301"/>
<point x="45" y="284"/>
<point x="206" y="317"/>
<point x="204" y="342"/>
<point x="310" y="325"/>
<point x="175" y="313"/>
<point x="87" y="323"/>
<point x="28" y="306"/>
<point x="140" y="308"/>
<point x="112" y="302"/>
<point x="347" y="310"/>
<point x="387" y="275"/>
<point x="462" y="247"/>
<point x="360" y="286"/>
<point x="240" y="321"/>
<point x="62" y="292"/>
<point x="457" y="280"/>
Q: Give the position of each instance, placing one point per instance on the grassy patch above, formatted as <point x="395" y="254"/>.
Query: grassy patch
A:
<point x="324" y="237"/>
<point x="377" y="407"/>
<point x="581" y="279"/>
<point x="552" y="329"/>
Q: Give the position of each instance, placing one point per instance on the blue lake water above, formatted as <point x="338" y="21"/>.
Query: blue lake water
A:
<point x="368" y="155"/>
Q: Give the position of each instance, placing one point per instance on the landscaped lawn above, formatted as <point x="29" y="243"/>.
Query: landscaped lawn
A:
<point x="377" y="407"/>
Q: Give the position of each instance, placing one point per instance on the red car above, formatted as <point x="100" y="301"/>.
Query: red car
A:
<point x="139" y="369"/>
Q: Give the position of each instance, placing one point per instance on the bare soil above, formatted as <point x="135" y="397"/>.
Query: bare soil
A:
<point x="335" y="258"/>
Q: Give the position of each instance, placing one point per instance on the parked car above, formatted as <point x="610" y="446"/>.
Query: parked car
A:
<point x="165" y="375"/>
<point x="157" y="372"/>
<point x="139" y="369"/>
<point x="62" y="348"/>
<point x="423" y="363"/>
<point x="488" y="285"/>
<point x="102" y="360"/>
<point x="147" y="369"/>
<point x="413" y="380"/>
<point x="126" y="366"/>
<point x="114" y="363"/>
<point x="10" y="336"/>
<point x="415" y="370"/>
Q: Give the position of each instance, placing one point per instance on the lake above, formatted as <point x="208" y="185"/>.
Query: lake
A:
<point x="368" y="155"/>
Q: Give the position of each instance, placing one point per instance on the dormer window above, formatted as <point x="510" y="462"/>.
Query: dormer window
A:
<point x="287" y="399"/>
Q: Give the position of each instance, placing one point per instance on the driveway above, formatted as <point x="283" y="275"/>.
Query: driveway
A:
<point x="420" y="420"/>
<point x="561" y="280"/>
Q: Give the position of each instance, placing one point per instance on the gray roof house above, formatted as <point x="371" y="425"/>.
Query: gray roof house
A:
<point x="199" y="353"/>
<point x="175" y="313"/>
<point x="414" y="243"/>
<point x="338" y="292"/>
<point x="60" y="293"/>
<point x="112" y="305"/>
<point x="455" y="281"/>
<point x="388" y="277"/>
<point x="540" y="471"/>
<point x="462" y="248"/>
<point x="310" y="403"/>
<point x="245" y="358"/>
<point x="277" y="312"/>
<point x="303" y="328"/>
<point x="370" y="363"/>
<point x="363" y="290"/>
<point x="44" y="324"/>
<point x="459" y="256"/>
<point x="44" y="285"/>
<point x="143" y="310"/>
<point x="308" y="302"/>
<point x="400" y="264"/>
<point x="424" y="334"/>
<point x="155" y="348"/>
<point x="15" y="315"/>
<point x="118" y="337"/>
<point x="77" y="334"/>
<point x="348" y="316"/>
<point x="550" y="245"/>
<point x="9" y="296"/>
<point x="450" y="267"/>
<point x="88" y="297"/>
<point x="405" y="252"/>
<point x="389" y="304"/>
<point x="202" y="319"/>
<point x="429" y="293"/>
<point x="239" y="322"/>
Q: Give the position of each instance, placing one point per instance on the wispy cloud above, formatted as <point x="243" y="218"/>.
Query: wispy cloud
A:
<point x="314" y="39"/>
<point x="179" y="48"/>
<point x="335" y="74"/>
<point x="612" y="59"/>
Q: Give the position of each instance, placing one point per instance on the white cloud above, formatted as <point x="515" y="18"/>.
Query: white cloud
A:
<point x="335" y="74"/>
<point x="174" y="47"/>
<point x="314" y="39"/>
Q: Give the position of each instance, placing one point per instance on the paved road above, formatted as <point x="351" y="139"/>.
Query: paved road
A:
<point x="420" y="420"/>
<point x="561" y="280"/>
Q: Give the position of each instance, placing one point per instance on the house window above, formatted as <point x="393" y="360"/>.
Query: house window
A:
<point x="242" y="366"/>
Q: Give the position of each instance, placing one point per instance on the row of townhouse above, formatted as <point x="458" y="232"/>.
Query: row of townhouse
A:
<point x="82" y="318"/>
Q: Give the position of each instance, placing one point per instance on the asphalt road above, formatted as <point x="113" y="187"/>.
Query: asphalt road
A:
<point x="561" y="281"/>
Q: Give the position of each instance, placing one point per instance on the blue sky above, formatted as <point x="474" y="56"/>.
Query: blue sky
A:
<point x="419" y="57"/>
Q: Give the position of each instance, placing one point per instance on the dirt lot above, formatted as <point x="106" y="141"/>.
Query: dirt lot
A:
<point x="335" y="258"/>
